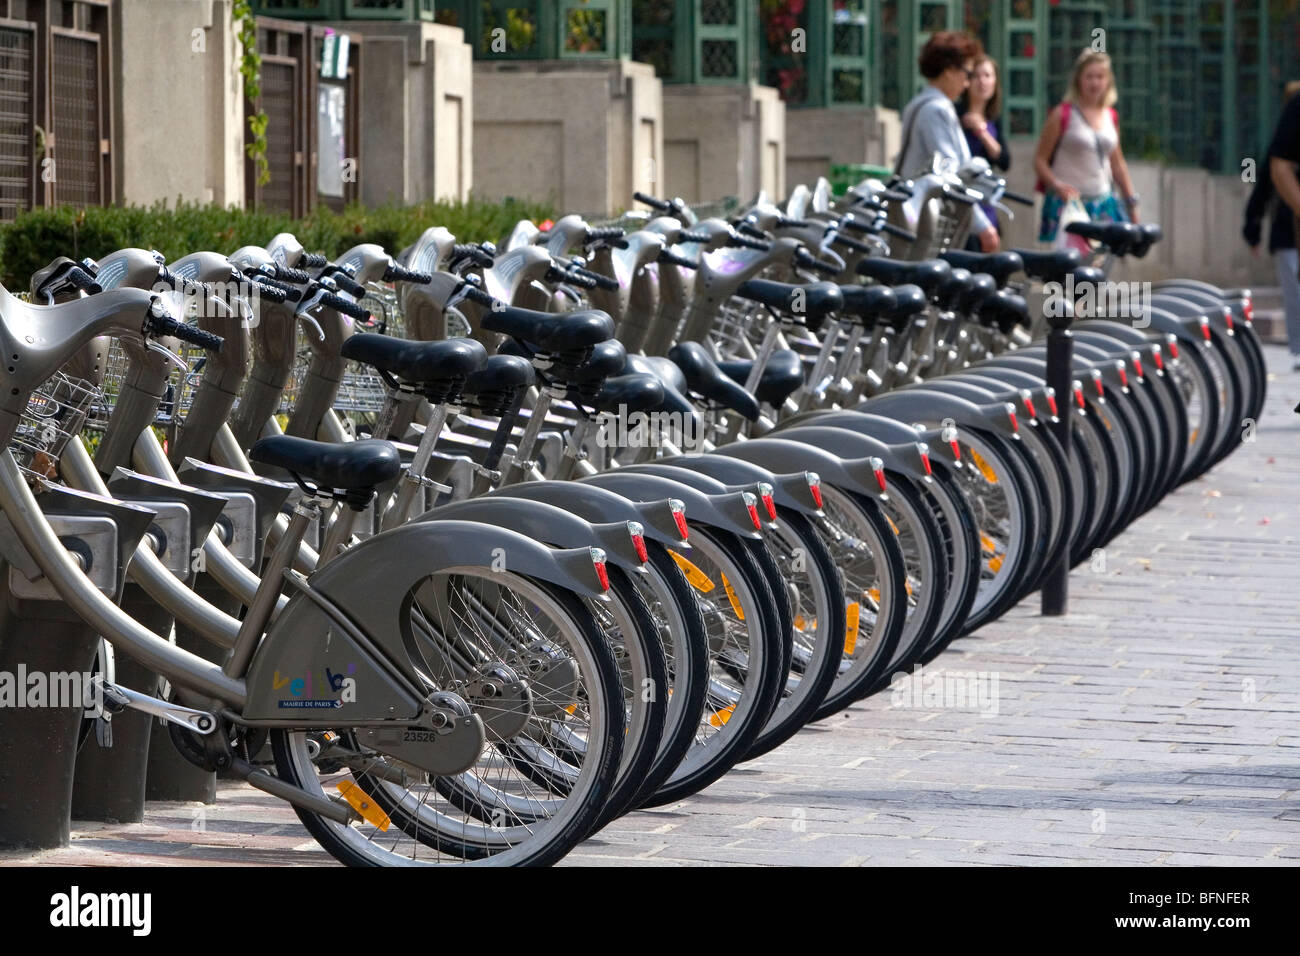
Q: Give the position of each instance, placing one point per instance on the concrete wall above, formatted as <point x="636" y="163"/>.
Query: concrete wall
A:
<point x="178" y="108"/>
<point x="723" y="141"/>
<point x="816" y="139"/>
<point x="584" y="134"/>
<point x="1201" y="214"/>
<point x="417" y="117"/>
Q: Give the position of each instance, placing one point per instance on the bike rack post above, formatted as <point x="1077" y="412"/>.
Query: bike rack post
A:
<point x="46" y="655"/>
<point x="1060" y="360"/>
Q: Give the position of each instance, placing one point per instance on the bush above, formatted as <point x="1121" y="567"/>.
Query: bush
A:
<point x="37" y="237"/>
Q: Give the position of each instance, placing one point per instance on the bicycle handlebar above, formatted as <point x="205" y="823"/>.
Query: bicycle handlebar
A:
<point x="806" y="259"/>
<point x="476" y="295"/>
<point x="79" y="278"/>
<point x="694" y="237"/>
<point x="340" y="304"/>
<point x="313" y="260"/>
<point x="784" y="223"/>
<point x="671" y="258"/>
<point x="396" y="273"/>
<point x="663" y="205"/>
<point x="570" y="275"/>
<point x="601" y="282"/>
<point x="1017" y="197"/>
<point x="744" y="242"/>
<point x="602" y="233"/>
<point x="472" y="251"/>
<point x="297" y="276"/>
<point x="162" y="325"/>
<point x="898" y="231"/>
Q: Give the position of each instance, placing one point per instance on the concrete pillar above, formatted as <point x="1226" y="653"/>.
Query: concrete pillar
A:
<point x="178" y="107"/>
<point x="816" y="139"/>
<point x="416" y="111"/>
<point x="723" y="141"/>
<point x="584" y="134"/>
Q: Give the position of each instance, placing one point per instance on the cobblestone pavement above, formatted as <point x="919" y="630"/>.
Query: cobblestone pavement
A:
<point x="1159" y="722"/>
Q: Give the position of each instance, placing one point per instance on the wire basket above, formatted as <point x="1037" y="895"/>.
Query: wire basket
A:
<point x="178" y="394"/>
<point x="55" y="412"/>
<point x="739" y="328"/>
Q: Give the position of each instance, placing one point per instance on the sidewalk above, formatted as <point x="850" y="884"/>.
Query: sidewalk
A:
<point x="1159" y="722"/>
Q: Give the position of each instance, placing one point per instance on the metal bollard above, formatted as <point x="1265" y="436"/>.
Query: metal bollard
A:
<point x="1060" y="376"/>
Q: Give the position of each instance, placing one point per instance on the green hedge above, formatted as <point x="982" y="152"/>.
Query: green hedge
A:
<point x="37" y="237"/>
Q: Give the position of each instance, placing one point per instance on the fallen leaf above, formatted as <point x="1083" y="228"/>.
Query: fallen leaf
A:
<point x="1263" y="521"/>
<point x="1212" y="493"/>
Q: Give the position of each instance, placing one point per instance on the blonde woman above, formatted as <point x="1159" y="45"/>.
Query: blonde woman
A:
<point x="1079" y="155"/>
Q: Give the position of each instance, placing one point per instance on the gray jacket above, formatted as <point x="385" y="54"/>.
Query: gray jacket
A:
<point x="930" y="126"/>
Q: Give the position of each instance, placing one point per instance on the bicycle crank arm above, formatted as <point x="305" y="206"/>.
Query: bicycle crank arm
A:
<point x="118" y="698"/>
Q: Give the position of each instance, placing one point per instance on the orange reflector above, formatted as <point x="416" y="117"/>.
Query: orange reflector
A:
<point x="721" y="717"/>
<point x="851" y="614"/>
<point x="694" y="576"/>
<point x="731" y="596"/>
<point x="986" y="470"/>
<point x="360" y="801"/>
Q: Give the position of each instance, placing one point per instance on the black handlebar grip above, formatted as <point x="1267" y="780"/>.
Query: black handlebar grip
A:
<point x="340" y="304"/>
<point x="850" y="243"/>
<point x="165" y="326"/>
<point x="313" y="260"/>
<point x="601" y="282"/>
<point x="749" y="229"/>
<point x="476" y="295"/>
<point x="898" y="231"/>
<point x="602" y="233"/>
<point x="693" y="237"/>
<point x="347" y="284"/>
<point x="285" y="274"/>
<point x="79" y="278"/>
<point x="785" y="223"/>
<point x="809" y="261"/>
<point x="671" y="258"/>
<point x="270" y="292"/>
<point x="961" y="196"/>
<point x="1017" y="197"/>
<point x="744" y="242"/>
<point x="396" y="273"/>
<point x="573" y="276"/>
<point x="857" y="225"/>
<point x="663" y="205"/>
<point x="896" y="194"/>
<point x="472" y="251"/>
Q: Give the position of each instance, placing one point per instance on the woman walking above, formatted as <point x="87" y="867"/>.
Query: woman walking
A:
<point x="930" y="123"/>
<point x="1280" y="180"/>
<point x="980" y="113"/>
<point x="1079" y="161"/>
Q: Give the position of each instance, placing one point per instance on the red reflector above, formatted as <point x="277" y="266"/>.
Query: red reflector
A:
<point x="1101" y="389"/>
<point x="1078" y="396"/>
<point x="925" y="460"/>
<point x="1051" y="404"/>
<point x="770" y="504"/>
<point x="751" y="505"/>
<point x="1158" y="359"/>
<point x="598" y="562"/>
<point x="1137" y="365"/>
<point x="956" y="449"/>
<point x="1173" y="347"/>
<point x="1123" y="374"/>
<point x="880" y="478"/>
<point x="1248" y="310"/>
<point x="1205" y="330"/>
<point x="679" y="516"/>
<point x="1029" y="407"/>
<point x="638" y="541"/>
<point x="815" y="487"/>
<point x="1011" y="414"/>
<point x="1227" y="317"/>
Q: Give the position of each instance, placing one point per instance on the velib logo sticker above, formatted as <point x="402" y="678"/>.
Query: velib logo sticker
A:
<point x="76" y="909"/>
<point x="341" y="688"/>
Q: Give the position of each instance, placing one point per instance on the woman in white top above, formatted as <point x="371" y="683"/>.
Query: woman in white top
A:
<point x="1079" y="156"/>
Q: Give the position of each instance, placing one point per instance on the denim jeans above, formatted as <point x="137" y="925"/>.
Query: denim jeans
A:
<point x="1287" y="262"/>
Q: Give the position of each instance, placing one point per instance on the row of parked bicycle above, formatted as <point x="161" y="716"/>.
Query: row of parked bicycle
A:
<point x="495" y="544"/>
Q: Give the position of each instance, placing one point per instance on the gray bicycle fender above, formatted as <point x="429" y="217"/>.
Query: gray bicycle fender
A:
<point x="726" y="511"/>
<point x="919" y="404"/>
<point x="888" y="430"/>
<point x="783" y="453"/>
<point x="846" y="443"/>
<point x="698" y="480"/>
<point x="546" y="523"/>
<point x="792" y="490"/>
<point x="600" y="505"/>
